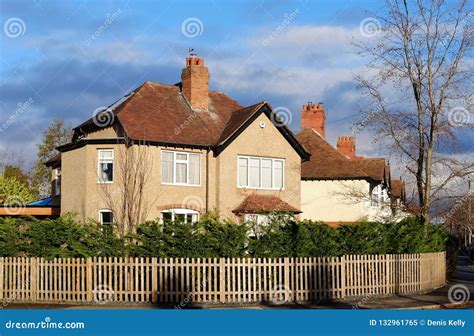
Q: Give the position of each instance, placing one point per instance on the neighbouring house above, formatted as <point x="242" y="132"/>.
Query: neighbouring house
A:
<point x="177" y="152"/>
<point x="337" y="186"/>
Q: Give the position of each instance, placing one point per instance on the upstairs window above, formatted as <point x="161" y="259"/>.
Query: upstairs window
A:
<point x="180" y="168"/>
<point x="105" y="165"/>
<point x="260" y="173"/>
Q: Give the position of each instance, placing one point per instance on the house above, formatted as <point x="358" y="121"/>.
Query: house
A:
<point x="337" y="186"/>
<point x="177" y="152"/>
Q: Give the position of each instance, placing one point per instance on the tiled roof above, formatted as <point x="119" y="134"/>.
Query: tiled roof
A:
<point x="255" y="203"/>
<point x="327" y="163"/>
<point x="160" y="113"/>
<point x="398" y="189"/>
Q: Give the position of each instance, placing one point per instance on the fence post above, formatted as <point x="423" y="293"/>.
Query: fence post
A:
<point x="222" y="280"/>
<point x="1" y="277"/>
<point x="343" y="276"/>
<point x="286" y="281"/>
<point x="154" y="280"/>
<point x="90" y="296"/>
<point x="33" y="279"/>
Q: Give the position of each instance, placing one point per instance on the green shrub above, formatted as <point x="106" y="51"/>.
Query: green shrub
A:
<point x="283" y="236"/>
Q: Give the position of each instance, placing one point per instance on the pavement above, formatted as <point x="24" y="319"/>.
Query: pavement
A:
<point x="463" y="279"/>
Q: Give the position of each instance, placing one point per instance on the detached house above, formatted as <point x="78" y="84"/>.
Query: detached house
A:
<point x="178" y="151"/>
<point x="337" y="186"/>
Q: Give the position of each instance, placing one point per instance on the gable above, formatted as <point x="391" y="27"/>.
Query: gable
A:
<point x="252" y="116"/>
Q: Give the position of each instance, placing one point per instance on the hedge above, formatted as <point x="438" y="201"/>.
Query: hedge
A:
<point x="211" y="237"/>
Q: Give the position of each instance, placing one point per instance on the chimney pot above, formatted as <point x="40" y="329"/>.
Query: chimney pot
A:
<point x="346" y="146"/>
<point x="313" y="117"/>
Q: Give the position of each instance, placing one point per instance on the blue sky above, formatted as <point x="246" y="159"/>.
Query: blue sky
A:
<point x="70" y="57"/>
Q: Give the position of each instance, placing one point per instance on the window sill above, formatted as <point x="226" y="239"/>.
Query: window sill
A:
<point x="252" y="188"/>
<point x="181" y="184"/>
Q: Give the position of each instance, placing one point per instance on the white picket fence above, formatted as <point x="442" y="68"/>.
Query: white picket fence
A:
<point x="217" y="280"/>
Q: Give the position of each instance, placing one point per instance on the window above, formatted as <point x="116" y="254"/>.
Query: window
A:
<point x="106" y="166"/>
<point x="260" y="173"/>
<point x="180" y="168"/>
<point x="106" y="219"/>
<point x="57" y="182"/>
<point x="180" y="215"/>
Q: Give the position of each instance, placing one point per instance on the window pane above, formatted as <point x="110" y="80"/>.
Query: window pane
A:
<point x="243" y="178"/>
<point x="180" y="156"/>
<point x="194" y="169"/>
<point x="106" y="171"/>
<point x="167" y="167"/>
<point x="181" y="173"/>
<point x="266" y="173"/>
<point x="278" y="171"/>
<point x="179" y="218"/>
<point x="167" y="216"/>
<point x="106" y="154"/>
<point x="106" y="217"/>
<point x="254" y="172"/>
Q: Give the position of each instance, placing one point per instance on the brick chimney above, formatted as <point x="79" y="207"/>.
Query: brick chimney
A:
<point x="195" y="83"/>
<point x="346" y="146"/>
<point x="313" y="116"/>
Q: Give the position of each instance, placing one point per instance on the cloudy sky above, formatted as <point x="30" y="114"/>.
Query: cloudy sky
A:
<point x="64" y="59"/>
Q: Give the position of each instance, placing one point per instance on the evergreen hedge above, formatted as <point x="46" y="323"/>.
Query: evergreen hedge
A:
<point x="211" y="237"/>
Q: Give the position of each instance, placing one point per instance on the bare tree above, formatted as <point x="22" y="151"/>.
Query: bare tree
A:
<point x="126" y="196"/>
<point x="420" y="88"/>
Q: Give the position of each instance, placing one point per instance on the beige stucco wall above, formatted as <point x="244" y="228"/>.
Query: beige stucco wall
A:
<point x="82" y="193"/>
<point x="256" y="141"/>
<point x="336" y="201"/>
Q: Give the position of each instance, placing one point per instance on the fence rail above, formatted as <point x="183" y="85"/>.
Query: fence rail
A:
<point x="217" y="280"/>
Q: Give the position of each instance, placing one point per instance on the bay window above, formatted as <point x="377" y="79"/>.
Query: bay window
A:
<point x="260" y="173"/>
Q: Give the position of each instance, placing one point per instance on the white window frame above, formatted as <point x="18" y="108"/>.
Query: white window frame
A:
<point x="175" y="161"/>
<point x="99" y="161"/>
<point x="101" y="211"/>
<point x="260" y="181"/>
<point x="181" y="211"/>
